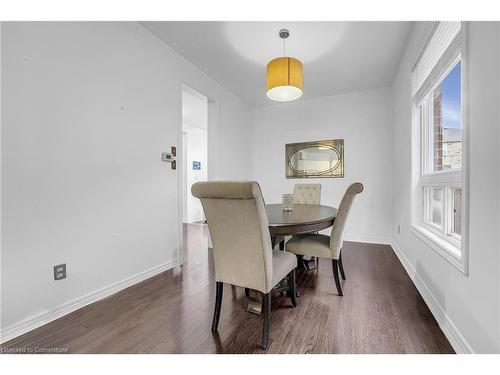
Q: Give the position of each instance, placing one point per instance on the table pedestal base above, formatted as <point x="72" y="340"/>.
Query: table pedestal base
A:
<point x="254" y="307"/>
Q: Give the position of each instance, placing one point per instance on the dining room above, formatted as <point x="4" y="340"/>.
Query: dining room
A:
<point x="250" y="187"/>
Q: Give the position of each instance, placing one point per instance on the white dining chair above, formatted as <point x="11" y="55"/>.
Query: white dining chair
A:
<point x="242" y="253"/>
<point x="323" y="246"/>
<point x="307" y="194"/>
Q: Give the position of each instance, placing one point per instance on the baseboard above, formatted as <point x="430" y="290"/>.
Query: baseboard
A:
<point x="368" y="239"/>
<point x="39" y="320"/>
<point x="456" y="339"/>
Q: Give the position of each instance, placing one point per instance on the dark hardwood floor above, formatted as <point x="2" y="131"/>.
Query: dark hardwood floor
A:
<point x="381" y="312"/>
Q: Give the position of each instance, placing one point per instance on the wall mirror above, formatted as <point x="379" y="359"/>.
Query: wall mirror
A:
<point x="315" y="159"/>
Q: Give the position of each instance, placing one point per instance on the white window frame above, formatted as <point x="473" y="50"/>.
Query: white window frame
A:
<point x="450" y="214"/>
<point x="427" y="211"/>
<point x="449" y="245"/>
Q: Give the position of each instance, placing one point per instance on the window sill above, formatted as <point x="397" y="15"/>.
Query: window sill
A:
<point x="447" y="250"/>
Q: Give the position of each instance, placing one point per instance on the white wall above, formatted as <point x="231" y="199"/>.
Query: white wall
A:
<point x="364" y="121"/>
<point x="87" y="109"/>
<point x="465" y="306"/>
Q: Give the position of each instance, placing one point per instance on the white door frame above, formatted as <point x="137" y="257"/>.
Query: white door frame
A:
<point x="212" y="124"/>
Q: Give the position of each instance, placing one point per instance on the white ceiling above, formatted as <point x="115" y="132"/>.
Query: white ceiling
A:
<point x="338" y="57"/>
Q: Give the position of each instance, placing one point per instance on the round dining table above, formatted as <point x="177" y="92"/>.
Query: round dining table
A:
<point x="304" y="218"/>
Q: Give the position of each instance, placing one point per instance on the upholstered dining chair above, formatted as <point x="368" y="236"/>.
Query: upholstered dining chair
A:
<point x="322" y="246"/>
<point x="307" y="194"/>
<point x="242" y="252"/>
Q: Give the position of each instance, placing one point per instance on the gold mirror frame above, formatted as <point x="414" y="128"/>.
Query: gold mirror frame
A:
<point x="337" y="171"/>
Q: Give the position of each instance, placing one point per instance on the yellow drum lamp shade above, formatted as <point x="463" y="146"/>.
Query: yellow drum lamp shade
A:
<point x="284" y="79"/>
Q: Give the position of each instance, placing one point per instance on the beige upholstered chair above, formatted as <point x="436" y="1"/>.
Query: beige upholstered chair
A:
<point x="242" y="252"/>
<point x="307" y="194"/>
<point x="322" y="246"/>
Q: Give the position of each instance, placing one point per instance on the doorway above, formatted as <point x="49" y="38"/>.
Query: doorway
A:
<point x="194" y="151"/>
<point x="197" y="111"/>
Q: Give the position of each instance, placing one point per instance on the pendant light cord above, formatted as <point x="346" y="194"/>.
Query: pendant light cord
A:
<point x="284" y="41"/>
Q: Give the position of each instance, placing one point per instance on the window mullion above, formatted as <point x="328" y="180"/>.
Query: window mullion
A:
<point x="446" y="213"/>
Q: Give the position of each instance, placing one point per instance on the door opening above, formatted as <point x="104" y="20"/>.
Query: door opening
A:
<point x="194" y="151"/>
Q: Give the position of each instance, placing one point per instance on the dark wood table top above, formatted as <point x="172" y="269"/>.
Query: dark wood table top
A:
<point x="305" y="218"/>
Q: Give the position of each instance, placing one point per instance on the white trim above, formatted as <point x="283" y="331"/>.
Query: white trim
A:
<point x="442" y="247"/>
<point x="450" y="330"/>
<point x="368" y="239"/>
<point x="465" y="148"/>
<point x="180" y="170"/>
<point x="39" y="320"/>
<point x="212" y="124"/>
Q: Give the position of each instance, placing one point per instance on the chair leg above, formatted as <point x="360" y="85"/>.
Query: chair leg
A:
<point x="335" y="268"/>
<point x="218" y="303"/>
<point x="266" y="310"/>
<point x="292" y="293"/>
<point x="247" y="292"/>
<point x="341" y="267"/>
<point x="300" y="261"/>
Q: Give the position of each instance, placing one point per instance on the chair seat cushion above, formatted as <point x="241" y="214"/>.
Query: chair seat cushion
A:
<point x="283" y="263"/>
<point x="317" y="245"/>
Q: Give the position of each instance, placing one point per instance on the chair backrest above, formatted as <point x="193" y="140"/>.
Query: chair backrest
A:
<point x="337" y="235"/>
<point x="237" y="221"/>
<point x="307" y="194"/>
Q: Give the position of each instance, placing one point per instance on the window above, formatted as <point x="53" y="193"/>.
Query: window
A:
<point x="437" y="163"/>
<point x="442" y="124"/>
<point x="434" y="207"/>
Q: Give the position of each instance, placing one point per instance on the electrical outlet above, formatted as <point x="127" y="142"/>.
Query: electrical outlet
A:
<point x="60" y="271"/>
<point x="399" y="228"/>
<point x="174" y="165"/>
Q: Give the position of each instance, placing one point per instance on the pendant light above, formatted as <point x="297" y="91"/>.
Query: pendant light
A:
<point x="284" y="76"/>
